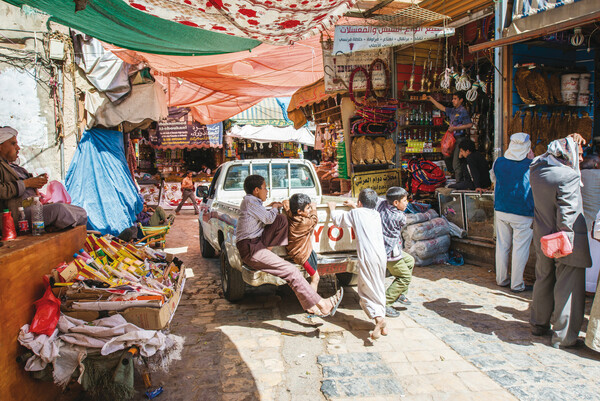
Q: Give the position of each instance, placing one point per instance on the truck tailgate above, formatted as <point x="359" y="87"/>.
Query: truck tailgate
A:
<point x="328" y="238"/>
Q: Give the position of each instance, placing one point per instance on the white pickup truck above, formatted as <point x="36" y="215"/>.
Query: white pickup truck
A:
<point x="219" y="211"/>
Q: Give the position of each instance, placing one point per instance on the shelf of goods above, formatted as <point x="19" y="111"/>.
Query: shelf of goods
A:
<point x="420" y="130"/>
<point x="549" y="101"/>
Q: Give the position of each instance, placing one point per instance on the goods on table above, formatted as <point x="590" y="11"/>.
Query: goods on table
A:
<point x="113" y="276"/>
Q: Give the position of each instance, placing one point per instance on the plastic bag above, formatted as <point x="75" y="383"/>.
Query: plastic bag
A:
<point x="47" y="312"/>
<point x="427" y="230"/>
<point x="440" y="259"/>
<point x="556" y="245"/>
<point x="429" y="248"/>
<point x="415" y="218"/>
<point x="455" y="230"/>
<point x="448" y="143"/>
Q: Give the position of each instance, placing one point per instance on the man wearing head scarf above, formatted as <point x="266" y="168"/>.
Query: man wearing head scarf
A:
<point x="513" y="205"/>
<point x="16" y="184"/>
<point x="559" y="290"/>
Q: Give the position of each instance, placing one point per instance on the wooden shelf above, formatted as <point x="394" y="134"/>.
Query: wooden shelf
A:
<point x="525" y="106"/>
<point x="421" y="126"/>
<point x="357" y="135"/>
<point x="368" y="167"/>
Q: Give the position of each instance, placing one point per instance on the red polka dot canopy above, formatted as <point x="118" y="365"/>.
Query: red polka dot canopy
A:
<point x="271" y="21"/>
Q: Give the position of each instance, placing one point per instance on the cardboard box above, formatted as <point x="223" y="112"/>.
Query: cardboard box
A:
<point x="143" y="317"/>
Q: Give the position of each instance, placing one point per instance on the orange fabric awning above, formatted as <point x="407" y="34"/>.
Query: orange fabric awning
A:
<point x="310" y="94"/>
<point x="219" y="87"/>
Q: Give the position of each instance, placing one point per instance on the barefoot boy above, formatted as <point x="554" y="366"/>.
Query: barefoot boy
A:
<point x="399" y="263"/>
<point x="302" y="219"/>
<point x="258" y="230"/>
<point x="366" y="223"/>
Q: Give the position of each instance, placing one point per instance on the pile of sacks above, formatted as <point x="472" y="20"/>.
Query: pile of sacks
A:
<point x="427" y="238"/>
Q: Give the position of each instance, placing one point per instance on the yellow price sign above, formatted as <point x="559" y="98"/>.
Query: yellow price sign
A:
<point x="379" y="181"/>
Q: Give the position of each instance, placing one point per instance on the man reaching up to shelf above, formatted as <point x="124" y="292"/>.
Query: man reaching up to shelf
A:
<point x="460" y="122"/>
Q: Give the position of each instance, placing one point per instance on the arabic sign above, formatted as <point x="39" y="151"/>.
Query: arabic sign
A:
<point x="339" y="67"/>
<point x="179" y="130"/>
<point x="379" y="181"/>
<point x="350" y="39"/>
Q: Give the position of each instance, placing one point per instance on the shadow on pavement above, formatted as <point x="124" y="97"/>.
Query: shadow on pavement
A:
<point x="465" y="315"/>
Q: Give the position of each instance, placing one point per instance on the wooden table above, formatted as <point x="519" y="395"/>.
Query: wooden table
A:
<point x="23" y="262"/>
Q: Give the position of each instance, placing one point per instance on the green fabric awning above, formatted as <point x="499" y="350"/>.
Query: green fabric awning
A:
<point x="115" y="22"/>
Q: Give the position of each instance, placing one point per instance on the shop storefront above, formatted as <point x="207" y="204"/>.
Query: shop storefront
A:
<point x="264" y="131"/>
<point x="175" y="146"/>
<point x="547" y="59"/>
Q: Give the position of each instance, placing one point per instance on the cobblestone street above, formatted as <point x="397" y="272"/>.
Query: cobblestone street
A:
<point x="463" y="338"/>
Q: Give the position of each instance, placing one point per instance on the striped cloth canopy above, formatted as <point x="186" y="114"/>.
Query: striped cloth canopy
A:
<point x="270" y="111"/>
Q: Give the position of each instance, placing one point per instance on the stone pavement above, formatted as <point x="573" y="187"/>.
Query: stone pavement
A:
<point x="462" y="339"/>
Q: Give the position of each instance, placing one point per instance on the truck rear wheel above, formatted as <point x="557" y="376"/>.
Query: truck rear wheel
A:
<point x="347" y="279"/>
<point x="231" y="279"/>
<point x="205" y="248"/>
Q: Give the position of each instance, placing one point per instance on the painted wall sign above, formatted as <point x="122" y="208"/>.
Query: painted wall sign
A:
<point x="379" y="181"/>
<point x="338" y="67"/>
<point x="349" y="39"/>
<point x="179" y="130"/>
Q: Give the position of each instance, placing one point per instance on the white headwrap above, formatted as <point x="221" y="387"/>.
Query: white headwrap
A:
<point x="563" y="152"/>
<point x="519" y="147"/>
<point x="6" y="133"/>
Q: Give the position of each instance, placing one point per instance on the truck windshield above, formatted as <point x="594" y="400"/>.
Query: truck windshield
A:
<point x="234" y="180"/>
<point x="300" y="176"/>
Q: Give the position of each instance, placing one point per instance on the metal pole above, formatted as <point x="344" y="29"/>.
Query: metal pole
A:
<point x="500" y="19"/>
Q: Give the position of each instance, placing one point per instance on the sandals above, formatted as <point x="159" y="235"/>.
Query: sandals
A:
<point x="337" y="299"/>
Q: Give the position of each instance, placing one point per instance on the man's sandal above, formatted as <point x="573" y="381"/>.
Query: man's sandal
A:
<point x="335" y="302"/>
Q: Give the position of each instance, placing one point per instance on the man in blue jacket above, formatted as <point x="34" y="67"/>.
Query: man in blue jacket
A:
<point x="513" y="205"/>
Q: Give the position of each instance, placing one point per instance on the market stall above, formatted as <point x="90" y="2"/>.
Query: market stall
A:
<point x="265" y="131"/>
<point x="105" y="303"/>
<point x="548" y="59"/>
<point x="176" y="145"/>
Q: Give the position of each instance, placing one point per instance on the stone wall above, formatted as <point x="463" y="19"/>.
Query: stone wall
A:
<point x="26" y="100"/>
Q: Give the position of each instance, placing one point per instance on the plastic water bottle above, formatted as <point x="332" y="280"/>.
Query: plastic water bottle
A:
<point x="37" y="217"/>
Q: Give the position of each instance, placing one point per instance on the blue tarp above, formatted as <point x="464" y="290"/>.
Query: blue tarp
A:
<point x="99" y="181"/>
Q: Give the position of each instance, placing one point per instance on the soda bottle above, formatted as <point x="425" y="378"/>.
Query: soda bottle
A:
<point x="8" y="226"/>
<point x="37" y="217"/>
<point x="23" y="223"/>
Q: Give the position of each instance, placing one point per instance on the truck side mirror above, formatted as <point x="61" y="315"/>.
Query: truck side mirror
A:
<point x="202" y="192"/>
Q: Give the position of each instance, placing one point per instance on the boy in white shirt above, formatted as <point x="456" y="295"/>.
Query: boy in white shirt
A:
<point x="372" y="259"/>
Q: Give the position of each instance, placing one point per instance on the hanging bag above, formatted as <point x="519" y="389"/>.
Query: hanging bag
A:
<point x="556" y="245"/>
<point x="448" y="143"/>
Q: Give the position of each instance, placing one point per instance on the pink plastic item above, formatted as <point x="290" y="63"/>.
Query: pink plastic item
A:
<point x="55" y="193"/>
<point x="556" y="245"/>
